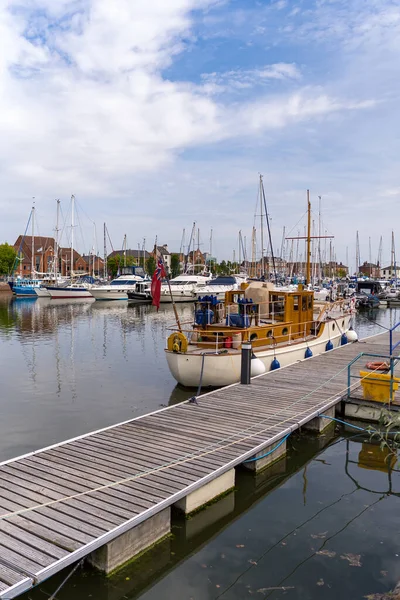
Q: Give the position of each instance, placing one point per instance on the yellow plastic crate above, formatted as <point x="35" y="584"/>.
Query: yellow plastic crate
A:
<point x="376" y="386"/>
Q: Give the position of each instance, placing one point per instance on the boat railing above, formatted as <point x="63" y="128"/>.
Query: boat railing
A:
<point x="221" y="337"/>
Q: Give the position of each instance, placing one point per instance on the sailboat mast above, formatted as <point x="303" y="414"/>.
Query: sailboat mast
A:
<point x="105" y="251"/>
<point x="72" y="234"/>
<point x="357" y="254"/>
<point x="211" y="242"/>
<point x="262" y="229"/>
<point x="56" y="249"/>
<point x="33" y="241"/>
<point x="308" y="236"/>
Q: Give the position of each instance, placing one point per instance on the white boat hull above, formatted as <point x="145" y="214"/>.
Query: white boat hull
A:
<point x="42" y="292"/>
<point x="69" y="293"/>
<point x="108" y="294"/>
<point x="224" y="369"/>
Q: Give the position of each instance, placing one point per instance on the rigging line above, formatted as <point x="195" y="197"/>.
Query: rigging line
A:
<point x="294" y="227"/>
<point x="328" y="539"/>
<point x="178" y="461"/>
<point x="262" y="556"/>
<point x="269" y="233"/>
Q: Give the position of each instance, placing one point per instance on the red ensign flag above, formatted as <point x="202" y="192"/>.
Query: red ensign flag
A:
<point x="159" y="274"/>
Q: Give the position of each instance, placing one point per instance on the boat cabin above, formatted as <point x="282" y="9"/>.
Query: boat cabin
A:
<point x="257" y="312"/>
<point x="133" y="270"/>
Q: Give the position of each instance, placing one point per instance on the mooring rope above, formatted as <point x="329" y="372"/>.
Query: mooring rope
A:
<point x="185" y="458"/>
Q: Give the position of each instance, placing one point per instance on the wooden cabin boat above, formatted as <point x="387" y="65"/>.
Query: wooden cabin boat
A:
<point x="284" y="326"/>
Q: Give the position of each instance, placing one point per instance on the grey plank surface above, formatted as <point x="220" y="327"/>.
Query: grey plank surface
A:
<point x="96" y="484"/>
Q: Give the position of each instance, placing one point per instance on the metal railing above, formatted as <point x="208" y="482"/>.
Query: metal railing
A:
<point x="392" y="361"/>
<point x="391" y="338"/>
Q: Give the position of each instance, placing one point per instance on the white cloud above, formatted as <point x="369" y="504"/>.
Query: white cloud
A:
<point x="248" y="78"/>
<point x="85" y="108"/>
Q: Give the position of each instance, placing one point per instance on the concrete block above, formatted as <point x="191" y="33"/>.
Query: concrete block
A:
<point x="116" y="553"/>
<point x="267" y="461"/>
<point x="319" y="424"/>
<point x="207" y="520"/>
<point x="207" y="492"/>
<point x="366" y="412"/>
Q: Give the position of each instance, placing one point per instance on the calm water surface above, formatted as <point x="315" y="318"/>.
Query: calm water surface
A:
<point x="323" y="523"/>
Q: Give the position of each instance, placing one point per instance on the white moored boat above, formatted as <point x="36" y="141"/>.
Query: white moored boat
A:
<point x="118" y="288"/>
<point x="184" y="288"/>
<point x="74" y="290"/>
<point x="281" y="325"/>
<point x="220" y="285"/>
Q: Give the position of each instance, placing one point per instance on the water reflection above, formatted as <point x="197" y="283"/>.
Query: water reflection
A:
<point x="264" y="540"/>
<point x="71" y="367"/>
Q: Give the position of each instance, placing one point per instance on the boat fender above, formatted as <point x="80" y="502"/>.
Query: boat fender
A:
<point x="329" y="346"/>
<point x="377" y="366"/>
<point x="308" y="353"/>
<point x="343" y="339"/>
<point x="352" y="336"/>
<point x="257" y="367"/>
<point x="177" y="342"/>
<point x="275" y="364"/>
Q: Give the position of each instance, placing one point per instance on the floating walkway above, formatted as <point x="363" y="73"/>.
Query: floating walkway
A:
<point x="108" y="494"/>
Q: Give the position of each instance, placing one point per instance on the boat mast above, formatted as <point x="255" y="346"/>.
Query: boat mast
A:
<point x="125" y="250"/>
<point x="33" y="241"/>
<point x="105" y="251"/>
<point x="357" y="254"/>
<point x="262" y="230"/>
<point x="319" y="239"/>
<point x="308" y="237"/>
<point x="72" y="235"/>
<point x="211" y="241"/>
<point x="56" y="249"/>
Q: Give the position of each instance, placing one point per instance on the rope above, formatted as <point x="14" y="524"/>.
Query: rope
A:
<point x="53" y="596"/>
<point x="191" y="456"/>
<point x="271" y="451"/>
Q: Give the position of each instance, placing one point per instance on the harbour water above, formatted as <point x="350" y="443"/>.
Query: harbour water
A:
<point x="320" y="524"/>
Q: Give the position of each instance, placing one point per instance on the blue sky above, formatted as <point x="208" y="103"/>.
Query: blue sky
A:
<point x="156" y="114"/>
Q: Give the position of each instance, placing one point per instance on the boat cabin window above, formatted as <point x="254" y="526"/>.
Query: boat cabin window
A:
<point x="304" y="303"/>
<point x="295" y="303"/>
<point x="277" y="306"/>
<point x="310" y="299"/>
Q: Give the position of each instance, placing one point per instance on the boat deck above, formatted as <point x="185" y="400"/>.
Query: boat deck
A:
<point x="61" y="503"/>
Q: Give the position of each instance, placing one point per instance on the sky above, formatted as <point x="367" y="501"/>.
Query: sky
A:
<point x="156" y="114"/>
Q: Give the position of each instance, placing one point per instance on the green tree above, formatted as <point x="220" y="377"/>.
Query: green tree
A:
<point x="150" y="265"/>
<point x="175" y="264"/>
<point x="7" y="259"/>
<point x="115" y="263"/>
<point x="223" y="268"/>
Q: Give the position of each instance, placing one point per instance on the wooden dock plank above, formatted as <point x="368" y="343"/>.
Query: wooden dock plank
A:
<point x="96" y="484"/>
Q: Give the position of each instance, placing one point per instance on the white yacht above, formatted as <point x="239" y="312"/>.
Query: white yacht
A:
<point x="219" y="286"/>
<point x="184" y="288"/>
<point x="118" y="288"/>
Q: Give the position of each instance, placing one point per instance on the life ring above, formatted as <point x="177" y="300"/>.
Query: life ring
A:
<point x="377" y="366"/>
<point x="177" y="342"/>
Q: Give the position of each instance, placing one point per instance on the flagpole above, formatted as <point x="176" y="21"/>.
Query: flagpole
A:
<point x="169" y="287"/>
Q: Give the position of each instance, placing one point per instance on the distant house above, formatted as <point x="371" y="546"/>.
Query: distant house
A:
<point x="95" y="264"/>
<point x="43" y="255"/>
<point x="390" y="272"/>
<point x="79" y="267"/>
<point x="137" y="255"/>
<point x="165" y="254"/>
<point x="369" y="269"/>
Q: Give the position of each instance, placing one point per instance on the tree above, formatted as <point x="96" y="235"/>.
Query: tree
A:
<point x="150" y="265"/>
<point x="223" y="268"/>
<point x="7" y="259"/>
<point x="175" y="265"/>
<point x="116" y="262"/>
